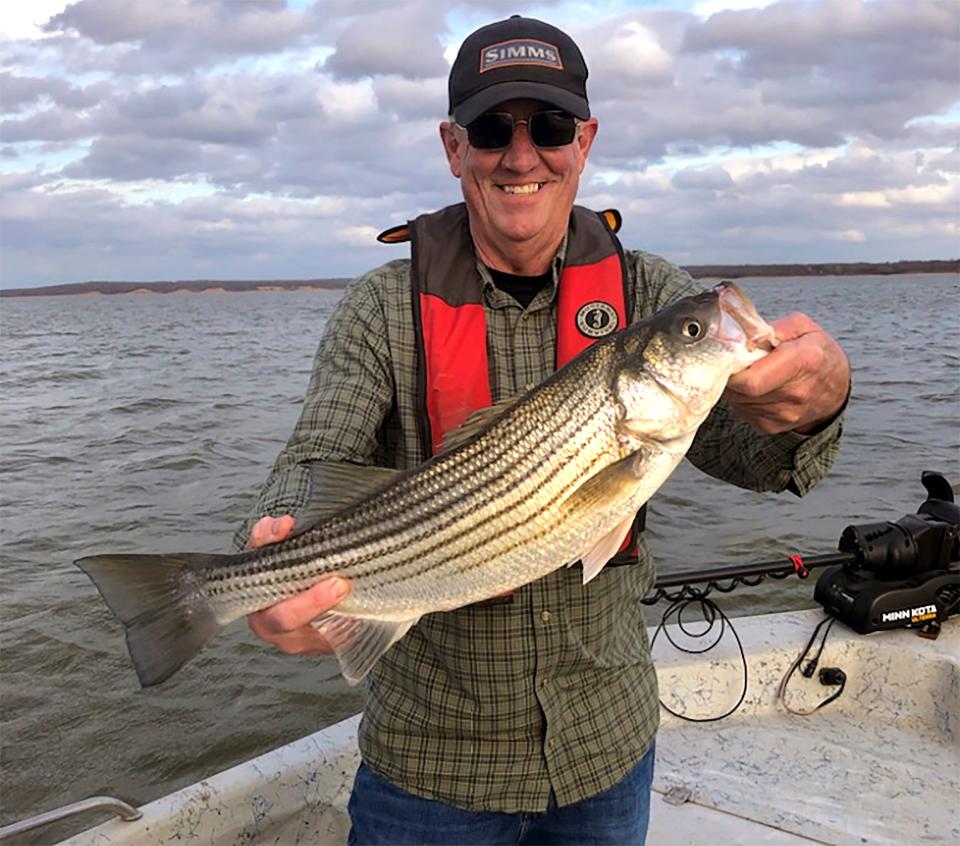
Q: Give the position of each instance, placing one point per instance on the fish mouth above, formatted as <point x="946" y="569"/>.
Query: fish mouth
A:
<point x="740" y="322"/>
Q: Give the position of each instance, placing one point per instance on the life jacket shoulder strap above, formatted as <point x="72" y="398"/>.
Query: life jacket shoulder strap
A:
<point x="400" y="234"/>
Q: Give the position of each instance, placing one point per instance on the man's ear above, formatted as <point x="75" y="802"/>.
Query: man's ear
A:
<point x="452" y="146"/>
<point x="584" y="140"/>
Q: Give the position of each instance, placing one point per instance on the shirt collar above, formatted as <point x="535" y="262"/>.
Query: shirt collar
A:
<point x="490" y="290"/>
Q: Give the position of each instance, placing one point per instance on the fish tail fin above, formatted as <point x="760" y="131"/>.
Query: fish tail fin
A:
<point x="159" y="600"/>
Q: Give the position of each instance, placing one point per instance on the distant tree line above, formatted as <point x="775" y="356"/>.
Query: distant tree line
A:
<point x="858" y="268"/>
<point x="192" y="285"/>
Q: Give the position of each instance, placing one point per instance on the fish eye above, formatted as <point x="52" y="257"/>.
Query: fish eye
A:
<point x="691" y="328"/>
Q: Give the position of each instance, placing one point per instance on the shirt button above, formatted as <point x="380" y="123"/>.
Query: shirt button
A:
<point x="529" y="386"/>
<point x="525" y="316"/>
<point x="545" y="616"/>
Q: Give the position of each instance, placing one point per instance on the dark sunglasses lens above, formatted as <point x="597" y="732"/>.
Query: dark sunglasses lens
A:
<point x="491" y="131"/>
<point x="552" y="129"/>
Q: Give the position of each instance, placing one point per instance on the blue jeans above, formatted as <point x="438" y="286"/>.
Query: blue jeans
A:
<point x="384" y="815"/>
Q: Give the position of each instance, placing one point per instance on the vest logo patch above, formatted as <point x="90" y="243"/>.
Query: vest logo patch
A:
<point x="520" y="51"/>
<point x="597" y="319"/>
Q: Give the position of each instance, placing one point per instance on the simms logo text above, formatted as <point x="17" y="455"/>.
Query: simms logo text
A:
<point x="914" y="615"/>
<point x="520" y="51"/>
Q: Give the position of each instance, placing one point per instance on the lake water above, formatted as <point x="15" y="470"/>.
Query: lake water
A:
<point x="147" y="423"/>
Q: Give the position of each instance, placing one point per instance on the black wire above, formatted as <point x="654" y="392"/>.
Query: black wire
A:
<point x="811" y="666"/>
<point x="949" y="609"/>
<point x="710" y="611"/>
<point x="809" y="669"/>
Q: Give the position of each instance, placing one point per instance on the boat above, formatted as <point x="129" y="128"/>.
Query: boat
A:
<point x="877" y="765"/>
<point x="781" y="729"/>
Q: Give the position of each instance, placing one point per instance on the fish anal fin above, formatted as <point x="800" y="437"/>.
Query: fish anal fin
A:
<point x="476" y="422"/>
<point x="359" y="643"/>
<point x="335" y="485"/>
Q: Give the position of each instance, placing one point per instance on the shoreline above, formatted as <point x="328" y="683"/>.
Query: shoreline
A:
<point x="702" y="271"/>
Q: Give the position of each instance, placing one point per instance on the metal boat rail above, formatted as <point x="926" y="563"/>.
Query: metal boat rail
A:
<point x="94" y="803"/>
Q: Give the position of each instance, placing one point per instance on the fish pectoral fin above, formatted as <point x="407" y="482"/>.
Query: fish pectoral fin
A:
<point x="607" y="490"/>
<point x="359" y="643"/>
<point x="610" y="487"/>
<point x="476" y="422"/>
<point x="335" y="485"/>
<point x="604" y="549"/>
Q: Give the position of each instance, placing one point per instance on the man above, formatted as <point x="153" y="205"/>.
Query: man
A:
<point x="531" y="719"/>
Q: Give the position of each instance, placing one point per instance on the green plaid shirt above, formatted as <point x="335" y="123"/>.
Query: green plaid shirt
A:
<point x="493" y="706"/>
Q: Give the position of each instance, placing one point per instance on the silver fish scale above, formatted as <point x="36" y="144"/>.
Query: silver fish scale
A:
<point x="468" y="525"/>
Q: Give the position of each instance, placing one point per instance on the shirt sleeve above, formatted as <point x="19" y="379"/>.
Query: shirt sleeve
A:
<point x="726" y="447"/>
<point x="348" y="397"/>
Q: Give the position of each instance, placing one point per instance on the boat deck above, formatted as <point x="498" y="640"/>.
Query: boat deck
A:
<point x="881" y="765"/>
<point x="878" y="766"/>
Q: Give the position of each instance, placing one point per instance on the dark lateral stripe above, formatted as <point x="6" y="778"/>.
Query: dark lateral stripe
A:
<point x="276" y="568"/>
<point x="420" y="564"/>
<point x="481" y="561"/>
<point x="450" y="518"/>
<point x="285" y="561"/>
<point x="410" y="507"/>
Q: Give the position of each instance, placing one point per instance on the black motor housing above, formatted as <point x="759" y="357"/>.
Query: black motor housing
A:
<point x="903" y="574"/>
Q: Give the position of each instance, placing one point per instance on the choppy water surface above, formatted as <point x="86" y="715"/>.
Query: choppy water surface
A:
<point x="147" y="423"/>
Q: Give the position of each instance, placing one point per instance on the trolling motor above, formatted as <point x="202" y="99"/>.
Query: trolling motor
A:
<point x="902" y="574"/>
<point x="884" y="576"/>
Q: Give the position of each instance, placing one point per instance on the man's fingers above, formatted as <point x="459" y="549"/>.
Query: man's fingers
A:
<point x="788" y="361"/>
<point x="270" y="530"/>
<point x="798" y="386"/>
<point x="297" y="611"/>
<point x="794" y="325"/>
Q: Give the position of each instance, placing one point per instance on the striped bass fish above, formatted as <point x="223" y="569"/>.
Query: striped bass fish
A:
<point x="544" y="481"/>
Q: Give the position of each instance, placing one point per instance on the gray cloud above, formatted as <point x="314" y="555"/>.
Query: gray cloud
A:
<point x="402" y="42"/>
<point x="101" y="236"/>
<point x="702" y="179"/>
<point x="21" y="91"/>
<point x="307" y="161"/>
<point x="182" y="35"/>
<point x="809" y="73"/>
<point x="407" y="99"/>
<point x="247" y="27"/>
<point x="863" y="204"/>
<point x="53" y="124"/>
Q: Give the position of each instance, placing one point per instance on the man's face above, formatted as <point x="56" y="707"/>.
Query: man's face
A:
<point x="521" y="193"/>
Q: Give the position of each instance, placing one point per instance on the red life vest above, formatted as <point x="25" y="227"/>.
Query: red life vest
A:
<point x="593" y="300"/>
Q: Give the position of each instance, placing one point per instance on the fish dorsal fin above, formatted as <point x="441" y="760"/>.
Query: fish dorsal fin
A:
<point x="606" y="490"/>
<point x="476" y="422"/>
<point x="335" y="485"/>
<point x="359" y="643"/>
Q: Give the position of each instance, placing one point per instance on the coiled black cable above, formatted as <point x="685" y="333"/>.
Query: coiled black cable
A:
<point x="710" y="611"/>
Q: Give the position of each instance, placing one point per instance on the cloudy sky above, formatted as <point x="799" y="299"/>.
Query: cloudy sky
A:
<point x="268" y="139"/>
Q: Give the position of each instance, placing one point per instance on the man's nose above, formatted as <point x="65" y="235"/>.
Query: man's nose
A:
<point x="521" y="154"/>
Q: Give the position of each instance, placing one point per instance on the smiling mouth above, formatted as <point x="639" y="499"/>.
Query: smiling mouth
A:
<point x="528" y="188"/>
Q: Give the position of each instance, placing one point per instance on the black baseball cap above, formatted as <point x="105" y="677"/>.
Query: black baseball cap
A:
<point x="514" y="58"/>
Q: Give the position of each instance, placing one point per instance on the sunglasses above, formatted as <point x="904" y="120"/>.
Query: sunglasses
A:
<point x="493" y="130"/>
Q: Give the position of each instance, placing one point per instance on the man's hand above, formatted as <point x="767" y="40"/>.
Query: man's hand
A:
<point x="799" y="386"/>
<point x="286" y="625"/>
